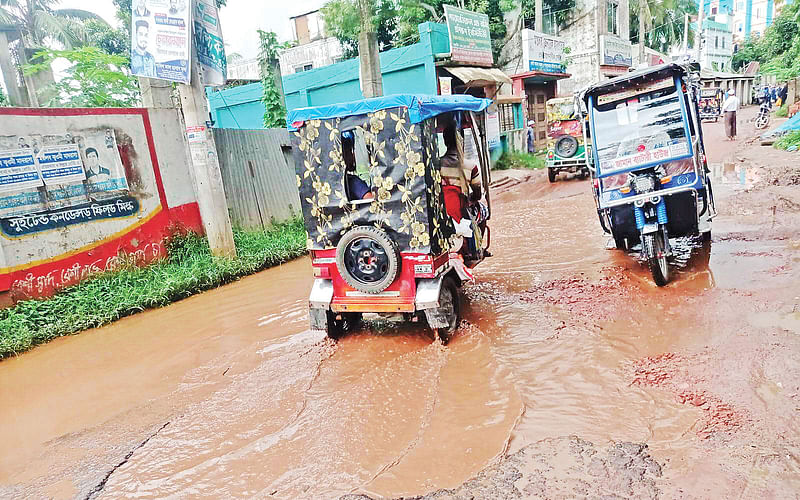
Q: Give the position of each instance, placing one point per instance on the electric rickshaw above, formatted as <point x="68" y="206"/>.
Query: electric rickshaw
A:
<point x="566" y="149"/>
<point x="649" y="170"/>
<point x="382" y="241"/>
<point x="710" y="106"/>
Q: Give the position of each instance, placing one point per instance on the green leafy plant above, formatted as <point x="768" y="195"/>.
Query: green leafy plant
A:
<point x="519" y="160"/>
<point x="94" y="79"/>
<point x="790" y="141"/>
<point x="3" y="98"/>
<point x="778" y="50"/>
<point x="274" y="111"/>
<point x="188" y="269"/>
<point x="342" y="20"/>
<point x="783" y="111"/>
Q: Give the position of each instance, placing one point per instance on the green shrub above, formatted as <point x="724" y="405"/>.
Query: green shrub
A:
<point x="783" y="111"/>
<point x="518" y="161"/>
<point x="789" y="140"/>
<point x="189" y="269"/>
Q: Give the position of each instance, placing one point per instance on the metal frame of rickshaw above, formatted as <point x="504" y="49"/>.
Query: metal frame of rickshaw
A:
<point x="695" y="148"/>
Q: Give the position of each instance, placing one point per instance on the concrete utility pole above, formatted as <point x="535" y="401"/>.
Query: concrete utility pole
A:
<point x="686" y="33"/>
<point x="642" y="29"/>
<point x="156" y="94"/>
<point x="538" y="17"/>
<point x="699" y="41"/>
<point x="205" y="164"/>
<point x="17" y="95"/>
<point x="369" y="59"/>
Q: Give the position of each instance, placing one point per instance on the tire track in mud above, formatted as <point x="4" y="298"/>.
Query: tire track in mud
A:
<point x="430" y="408"/>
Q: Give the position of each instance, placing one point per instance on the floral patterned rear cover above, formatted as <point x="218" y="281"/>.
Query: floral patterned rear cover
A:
<point x="405" y="180"/>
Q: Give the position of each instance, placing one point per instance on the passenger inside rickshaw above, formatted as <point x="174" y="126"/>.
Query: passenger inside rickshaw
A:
<point x="357" y="189"/>
<point x="461" y="185"/>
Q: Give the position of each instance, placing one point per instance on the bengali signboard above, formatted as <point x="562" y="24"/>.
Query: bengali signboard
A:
<point x="49" y="171"/>
<point x="23" y="225"/>
<point x="541" y="52"/>
<point x="469" y="36"/>
<point x="18" y="170"/>
<point x="208" y="40"/>
<point x="615" y="51"/>
<point x="160" y="39"/>
<point x="60" y="164"/>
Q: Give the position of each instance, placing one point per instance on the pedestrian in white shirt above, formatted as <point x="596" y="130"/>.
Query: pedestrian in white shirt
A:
<point x="730" y="107"/>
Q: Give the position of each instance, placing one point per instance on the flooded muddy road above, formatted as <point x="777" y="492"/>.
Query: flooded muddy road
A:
<point x="572" y="376"/>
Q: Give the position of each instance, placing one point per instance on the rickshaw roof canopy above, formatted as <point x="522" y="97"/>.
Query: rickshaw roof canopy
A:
<point x="420" y="107"/>
<point x="651" y="73"/>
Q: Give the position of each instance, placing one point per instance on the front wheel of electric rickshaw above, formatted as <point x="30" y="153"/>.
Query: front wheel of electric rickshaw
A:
<point x="654" y="250"/>
<point x="552" y="174"/>
<point x="620" y="242"/>
<point x="449" y="311"/>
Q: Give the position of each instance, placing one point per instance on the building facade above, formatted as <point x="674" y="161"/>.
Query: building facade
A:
<point x="599" y="47"/>
<point x="717" y="49"/>
<point x="314" y="48"/>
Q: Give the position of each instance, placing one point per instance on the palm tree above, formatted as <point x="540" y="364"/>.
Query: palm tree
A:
<point x="38" y="23"/>
<point x="661" y="21"/>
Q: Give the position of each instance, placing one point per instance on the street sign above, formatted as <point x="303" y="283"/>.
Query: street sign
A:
<point x="208" y="40"/>
<point x="541" y="52"/>
<point x="615" y="51"/>
<point x="469" y="36"/>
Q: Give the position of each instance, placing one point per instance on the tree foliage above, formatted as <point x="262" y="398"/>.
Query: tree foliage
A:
<point x="778" y="50"/>
<point x="3" y="98"/>
<point x="274" y="111"/>
<point x="664" y="22"/>
<point x="94" y="79"/>
<point x="40" y="22"/>
<point x="343" y="21"/>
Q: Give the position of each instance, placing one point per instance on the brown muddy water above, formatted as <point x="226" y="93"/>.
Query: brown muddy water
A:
<point x="229" y="394"/>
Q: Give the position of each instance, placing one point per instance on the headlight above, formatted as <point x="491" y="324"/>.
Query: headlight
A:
<point x="644" y="184"/>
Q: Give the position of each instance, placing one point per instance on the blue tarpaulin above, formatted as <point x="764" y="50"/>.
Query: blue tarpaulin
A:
<point x="420" y="107"/>
<point x="789" y="125"/>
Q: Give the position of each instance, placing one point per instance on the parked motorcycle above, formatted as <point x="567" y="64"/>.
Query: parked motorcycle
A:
<point x="762" y="120"/>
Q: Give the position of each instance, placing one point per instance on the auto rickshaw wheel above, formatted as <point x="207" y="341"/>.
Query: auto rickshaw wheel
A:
<point x="551" y="174"/>
<point x="367" y="259"/>
<point x="449" y="309"/>
<point x="654" y="251"/>
<point x="566" y="146"/>
<point x="620" y="242"/>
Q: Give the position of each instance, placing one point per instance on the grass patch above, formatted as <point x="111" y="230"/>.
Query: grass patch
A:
<point x="519" y="160"/>
<point x="190" y="268"/>
<point x="782" y="112"/>
<point x="789" y="142"/>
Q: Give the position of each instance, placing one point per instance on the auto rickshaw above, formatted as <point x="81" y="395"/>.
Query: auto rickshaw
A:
<point x="385" y="246"/>
<point x="650" y="177"/>
<point x="710" y="106"/>
<point x="566" y="150"/>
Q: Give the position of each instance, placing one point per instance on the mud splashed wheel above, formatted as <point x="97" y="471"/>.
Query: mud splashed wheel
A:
<point x="367" y="259"/>
<point x="445" y="319"/>
<point x="339" y="324"/>
<point x="653" y="247"/>
<point x="551" y="174"/>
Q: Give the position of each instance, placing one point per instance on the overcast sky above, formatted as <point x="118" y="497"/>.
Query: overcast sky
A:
<point x="240" y="19"/>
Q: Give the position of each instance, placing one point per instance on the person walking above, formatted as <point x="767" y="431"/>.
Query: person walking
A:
<point x="530" y="137"/>
<point x="730" y="107"/>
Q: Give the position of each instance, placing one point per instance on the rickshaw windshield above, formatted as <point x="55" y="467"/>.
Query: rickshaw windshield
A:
<point x="639" y="126"/>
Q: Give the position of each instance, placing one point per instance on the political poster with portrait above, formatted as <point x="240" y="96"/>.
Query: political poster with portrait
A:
<point x="160" y="33"/>
<point x="208" y="41"/>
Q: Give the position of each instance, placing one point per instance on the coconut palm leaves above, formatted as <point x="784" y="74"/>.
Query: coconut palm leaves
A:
<point x="40" y="22"/>
<point x="663" y="22"/>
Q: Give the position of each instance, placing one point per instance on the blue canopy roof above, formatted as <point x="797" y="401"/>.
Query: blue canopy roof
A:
<point x="420" y="107"/>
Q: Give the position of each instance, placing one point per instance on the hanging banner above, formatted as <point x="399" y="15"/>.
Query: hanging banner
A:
<point x="469" y="36"/>
<point x="208" y="40"/>
<point x="160" y="39"/>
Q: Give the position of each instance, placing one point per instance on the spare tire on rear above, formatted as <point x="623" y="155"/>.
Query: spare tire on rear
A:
<point x="367" y="259"/>
<point x="566" y="146"/>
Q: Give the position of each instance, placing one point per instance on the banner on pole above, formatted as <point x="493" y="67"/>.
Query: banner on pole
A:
<point x="160" y="39"/>
<point x="208" y="40"/>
